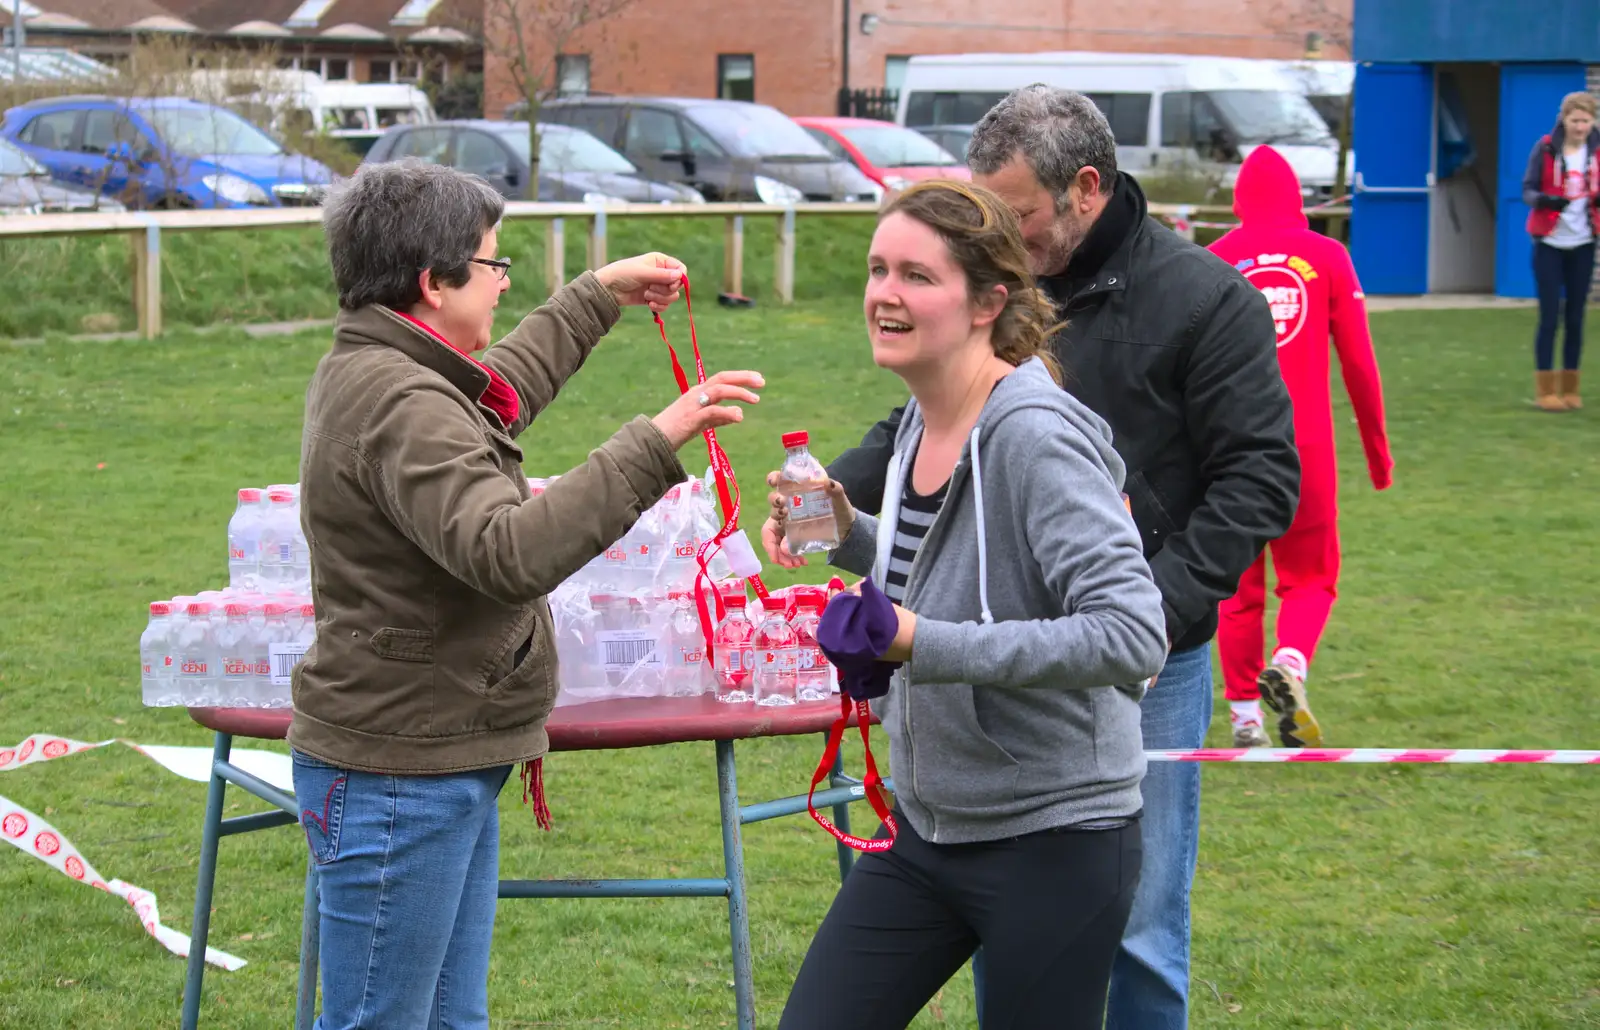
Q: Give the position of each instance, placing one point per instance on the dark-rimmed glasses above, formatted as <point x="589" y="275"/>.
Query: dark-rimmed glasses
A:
<point x="502" y="266"/>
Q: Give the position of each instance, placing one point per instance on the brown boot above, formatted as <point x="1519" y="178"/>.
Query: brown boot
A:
<point x="1547" y="391"/>
<point x="1569" y="389"/>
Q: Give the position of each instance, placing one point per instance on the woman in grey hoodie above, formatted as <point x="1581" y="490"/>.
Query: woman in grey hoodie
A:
<point x="1029" y="625"/>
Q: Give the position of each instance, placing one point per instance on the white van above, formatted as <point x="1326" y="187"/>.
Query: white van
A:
<point x="288" y="102"/>
<point x="1327" y="84"/>
<point x="1165" y="110"/>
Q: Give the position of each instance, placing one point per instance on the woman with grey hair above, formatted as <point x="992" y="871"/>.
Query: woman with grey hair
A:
<point x="434" y="665"/>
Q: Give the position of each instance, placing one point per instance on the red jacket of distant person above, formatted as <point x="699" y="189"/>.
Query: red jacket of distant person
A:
<point x="1311" y="284"/>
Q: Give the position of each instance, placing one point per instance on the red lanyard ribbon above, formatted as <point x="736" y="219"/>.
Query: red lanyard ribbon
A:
<point x="727" y="486"/>
<point x="728" y="493"/>
<point x="872" y="784"/>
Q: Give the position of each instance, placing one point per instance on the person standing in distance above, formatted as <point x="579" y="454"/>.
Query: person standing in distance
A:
<point x="1177" y="352"/>
<point x="1562" y="186"/>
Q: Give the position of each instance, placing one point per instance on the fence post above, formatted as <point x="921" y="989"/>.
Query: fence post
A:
<point x="555" y="255"/>
<point x="136" y="258"/>
<point x="783" y="278"/>
<point x="733" y="255"/>
<point x="597" y="238"/>
<point x="147" y="278"/>
<point x="1183" y="224"/>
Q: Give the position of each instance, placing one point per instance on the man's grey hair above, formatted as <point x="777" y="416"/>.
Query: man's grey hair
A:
<point x="391" y="220"/>
<point x="1057" y="132"/>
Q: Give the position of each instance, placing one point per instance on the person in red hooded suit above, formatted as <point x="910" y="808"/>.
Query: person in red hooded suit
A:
<point x="1312" y="288"/>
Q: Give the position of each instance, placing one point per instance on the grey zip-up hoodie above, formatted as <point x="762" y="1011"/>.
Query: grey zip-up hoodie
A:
<point x="1038" y="624"/>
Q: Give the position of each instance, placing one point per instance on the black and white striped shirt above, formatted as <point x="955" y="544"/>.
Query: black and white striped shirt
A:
<point x="917" y="513"/>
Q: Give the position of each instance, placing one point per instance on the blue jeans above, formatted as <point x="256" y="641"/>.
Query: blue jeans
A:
<point x="1150" y="976"/>
<point x="408" y="870"/>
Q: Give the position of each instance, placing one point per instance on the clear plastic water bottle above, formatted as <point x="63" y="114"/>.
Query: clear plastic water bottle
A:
<point x="244" y="541"/>
<point x="613" y="570"/>
<point x="305" y="632"/>
<point x="734" y="655"/>
<point x="810" y="526"/>
<point x="685" y="534"/>
<point x="299" y="560"/>
<point x="647" y="546"/>
<point x="156" y="670"/>
<point x="707" y="524"/>
<point x="685" y="671"/>
<point x="776" y="650"/>
<point x="238" y="646"/>
<point x="611" y="629"/>
<point x="195" y="657"/>
<point x="277" y="638"/>
<point x="279" y="526"/>
<point x="814" y="675"/>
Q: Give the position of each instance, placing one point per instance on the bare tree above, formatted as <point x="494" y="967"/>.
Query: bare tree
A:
<point x="529" y="38"/>
<point x="1328" y="25"/>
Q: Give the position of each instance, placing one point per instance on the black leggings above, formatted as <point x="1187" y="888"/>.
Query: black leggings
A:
<point x="1557" y="271"/>
<point x="1049" y="909"/>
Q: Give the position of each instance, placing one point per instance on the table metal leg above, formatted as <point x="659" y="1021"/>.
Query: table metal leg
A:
<point x="841" y="816"/>
<point x="733" y="864"/>
<point x="200" y="926"/>
<point x="305" y="1008"/>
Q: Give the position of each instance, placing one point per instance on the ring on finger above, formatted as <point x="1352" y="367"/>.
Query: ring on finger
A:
<point x="704" y="398"/>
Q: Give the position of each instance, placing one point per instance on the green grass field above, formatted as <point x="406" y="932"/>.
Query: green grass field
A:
<point x="1352" y="896"/>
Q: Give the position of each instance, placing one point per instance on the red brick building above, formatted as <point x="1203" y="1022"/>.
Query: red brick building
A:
<point x="789" y="53"/>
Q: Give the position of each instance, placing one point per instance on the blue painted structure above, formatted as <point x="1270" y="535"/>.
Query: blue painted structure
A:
<point x="1431" y="31"/>
<point x="1542" y="52"/>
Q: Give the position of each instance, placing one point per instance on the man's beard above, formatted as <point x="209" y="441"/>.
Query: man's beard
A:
<point x="1067" y="234"/>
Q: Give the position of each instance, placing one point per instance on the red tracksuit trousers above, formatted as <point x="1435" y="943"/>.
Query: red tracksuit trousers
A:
<point x="1306" y="562"/>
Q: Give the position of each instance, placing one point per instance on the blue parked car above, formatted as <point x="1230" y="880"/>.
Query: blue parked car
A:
<point x="165" y="152"/>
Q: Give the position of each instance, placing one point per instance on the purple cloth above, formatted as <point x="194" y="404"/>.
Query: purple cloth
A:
<point x="856" y="631"/>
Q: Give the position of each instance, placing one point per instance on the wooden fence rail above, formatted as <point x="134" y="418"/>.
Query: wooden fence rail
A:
<point x="144" y="230"/>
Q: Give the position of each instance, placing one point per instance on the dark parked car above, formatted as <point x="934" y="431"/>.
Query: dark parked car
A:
<point x="26" y="188"/>
<point x="163" y="152"/>
<point x="726" y="149"/>
<point x="573" y="165"/>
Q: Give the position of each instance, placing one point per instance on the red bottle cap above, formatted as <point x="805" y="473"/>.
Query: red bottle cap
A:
<point x="799" y="439"/>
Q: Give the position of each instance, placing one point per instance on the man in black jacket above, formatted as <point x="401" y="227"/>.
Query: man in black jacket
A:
<point x="1177" y="351"/>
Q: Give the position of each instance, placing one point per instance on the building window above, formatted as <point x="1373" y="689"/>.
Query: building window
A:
<point x="380" y="71"/>
<point x="736" y="76"/>
<point x="408" y="71"/>
<point x="572" y="75"/>
<point x="894" y="72"/>
<point x="335" y="69"/>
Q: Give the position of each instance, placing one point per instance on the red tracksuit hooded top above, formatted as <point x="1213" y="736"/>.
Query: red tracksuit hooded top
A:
<point x="1312" y="287"/>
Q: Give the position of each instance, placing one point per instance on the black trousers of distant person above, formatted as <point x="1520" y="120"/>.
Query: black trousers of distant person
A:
<point x="1049" y="909"/>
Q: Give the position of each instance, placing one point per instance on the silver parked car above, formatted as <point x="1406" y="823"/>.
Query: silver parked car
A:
<point x="27" y="189"/>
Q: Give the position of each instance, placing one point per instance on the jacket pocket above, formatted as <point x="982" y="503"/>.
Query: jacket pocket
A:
<point x="1149" y="509"/>
<point x="533" y="682"/>
<point x="959" y="766"/>
<point x="320" y="790"/>
<point x="404" y="645"/>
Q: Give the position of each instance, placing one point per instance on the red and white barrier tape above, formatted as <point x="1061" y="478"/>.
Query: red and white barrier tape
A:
<point x="1378" y="755"/>
<point x="1182" y="223"/>
<point x="32" y="835"/>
